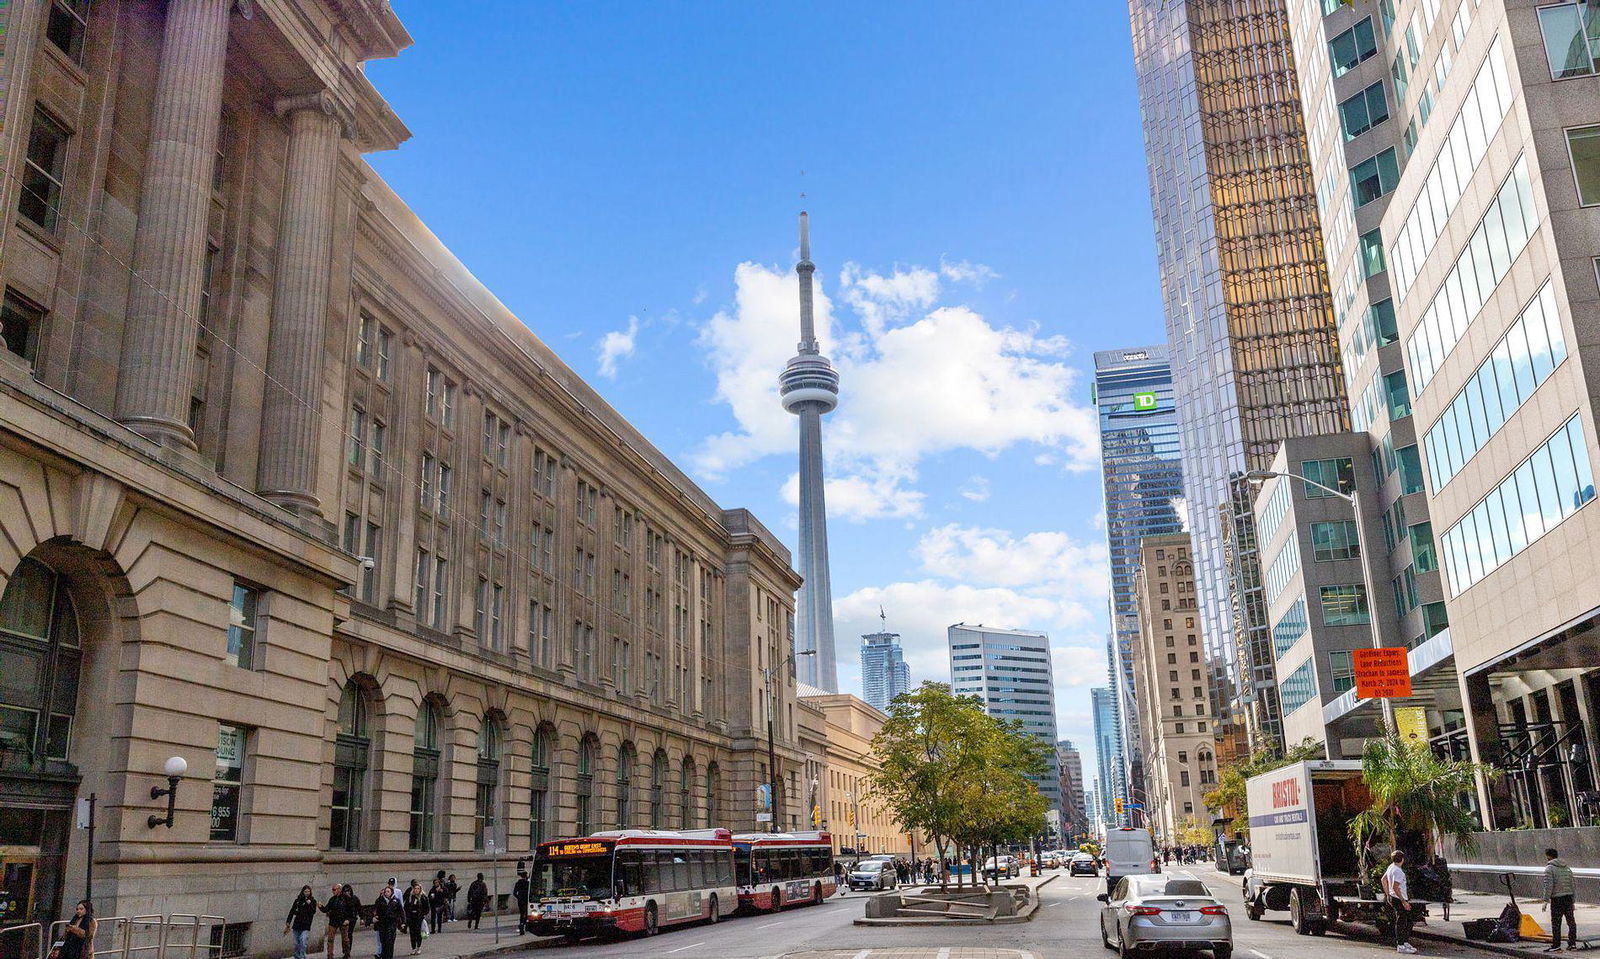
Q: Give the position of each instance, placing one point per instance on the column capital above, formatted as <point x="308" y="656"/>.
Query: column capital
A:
<point x="318" y="101"/>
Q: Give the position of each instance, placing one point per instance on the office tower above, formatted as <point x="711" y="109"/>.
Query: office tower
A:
<point x="810" y="387"/>
<point x="1074" y="814"/>
<point x="884" y="672"/>
<point x="1461" y="192"/>
<point x="1174" y="698"/>
<point x="1249" y="324"/>
<point x="1142" y="476"/>
<point x="1104" y="704"/>
<point x="1009" y="669"/>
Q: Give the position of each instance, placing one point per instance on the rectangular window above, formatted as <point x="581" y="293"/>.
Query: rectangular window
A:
<point x="1374" y="177"/>
<point x="1344" y="605"/>
<point x="440" y="585"/>
<point x="226" y="782"/>
<point x="356" y="440"/>
<point x="1351" y="47"/>
<point x="242" y="612"/>
<point x="369" y="568"/>
<point x="1571" y="39"/>
<point x="1583" y="143"/>
<point x="20" y="324"/>
<point x="43" y="170"/>
<point x="497" y="610"/>
<point x="1342" y="671"/>
<point x="1364" y="111"/>
<point x="366" y="330"/>
<point x="69" y="21"/>
<point x="480" y="611"/>
<point x="1422" y="548"/>
<point x="1371" y="253"/>
<point x="1335" y="540"/>
<point x="1380" y="317"/>
<point x="1336" y="474"/>
<point x="385" y="346"/>
<point x="423" y="574"/>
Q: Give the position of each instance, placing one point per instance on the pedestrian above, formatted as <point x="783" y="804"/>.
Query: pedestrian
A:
<point x="1558" y="894"/>
<point x="302" y="912"/>
<point x="77" y="939"/>
<point x="414" y="905"/>
<point x="477" y="895"/>
<point x="388" y="915"/>
<point x="452" y="889"/>
<point x="520" y="891"/>
<point x="438" y="905"/>
<point x="1397" y="892"/>
<point x="340" y="910"/>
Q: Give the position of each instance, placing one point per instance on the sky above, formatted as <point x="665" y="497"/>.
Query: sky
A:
<point x="626" y="178"/>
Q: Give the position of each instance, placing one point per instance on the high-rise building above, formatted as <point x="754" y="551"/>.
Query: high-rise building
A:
<point x="1109" y="781"/>
<point x="1249" y="322"/>
<point x="1009" y="670"/>
<point x="1174" y="698"/>
<point x="1074" y="814"/>
<point x="809" y="387"/>
<point x="1456" y="146"/>
<point x="884" y="671"/>
<point x="1142" y="476"/>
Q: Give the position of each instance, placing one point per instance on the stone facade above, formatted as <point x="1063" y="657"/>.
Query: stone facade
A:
<point x="856" y="819"/>
<point x="287" y="493"/>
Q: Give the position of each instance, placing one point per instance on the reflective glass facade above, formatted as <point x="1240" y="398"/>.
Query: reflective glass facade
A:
<point x="884" y="672"/>
<point x="1105" y="745"/>
<point x="1009" y="670"/>
<point x="1249" y="322"/>
<point x="1142" y="471"/>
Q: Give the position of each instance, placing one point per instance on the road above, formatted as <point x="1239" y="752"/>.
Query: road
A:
<point x="1064" y="928"/>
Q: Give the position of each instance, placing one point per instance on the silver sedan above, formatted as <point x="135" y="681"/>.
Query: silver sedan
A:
<point x="1147" y="913"/>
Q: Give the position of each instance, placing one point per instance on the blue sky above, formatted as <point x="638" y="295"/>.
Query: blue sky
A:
<point x="625" y="176"/>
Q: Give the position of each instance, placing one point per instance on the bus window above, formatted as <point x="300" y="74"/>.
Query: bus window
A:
<point x="791" y="864"/>
<point x="630" y="873"/>
<point x="697" y="869"/>
<point x="680" y="873"/>
<point x="722" y="863"/>
<point x="742" y="867"/>
<point x="653" y="879"/>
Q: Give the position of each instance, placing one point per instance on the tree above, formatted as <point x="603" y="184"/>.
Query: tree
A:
<point x="1412" y="788"/>
<point x="1191" y="833"/>
<point x="1229" y="796"/>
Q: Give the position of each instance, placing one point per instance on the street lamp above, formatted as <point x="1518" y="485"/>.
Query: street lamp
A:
<point x="772" y="755"/>
<point x="1354" y="499"/>
<point x="174" y="769"/>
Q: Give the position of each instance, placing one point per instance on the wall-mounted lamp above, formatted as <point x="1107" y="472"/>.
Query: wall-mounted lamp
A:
<point x="174" y="768"/>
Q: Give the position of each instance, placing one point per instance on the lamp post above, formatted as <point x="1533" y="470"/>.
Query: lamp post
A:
<point x="1354" y="499"/>
<point x="174" y="769"/>
<point x="772" y="754"/>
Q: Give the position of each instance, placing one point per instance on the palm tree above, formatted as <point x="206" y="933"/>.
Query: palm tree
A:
<point x="1413" y="788"/>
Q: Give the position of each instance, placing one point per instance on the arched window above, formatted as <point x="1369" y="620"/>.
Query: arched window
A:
<point x="658" y="790"/>
<point x="425" y="777"/>
<point x="539" y="787"/>
<point x="484" y="819"/>
<point x="584" y="789"/>
<point x="39" y="660"/>
<point x="626" y="758"/>
<point x="351" y="747"/>
<point x="686" y="794"/>
<point x="712" y="812"/>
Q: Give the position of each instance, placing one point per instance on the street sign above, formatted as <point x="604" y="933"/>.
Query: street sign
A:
<point x="763" y="817"/>
<point x="1382" y="673"/>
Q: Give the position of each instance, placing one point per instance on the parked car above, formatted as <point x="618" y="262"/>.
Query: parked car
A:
<point x="1083" y="864"/>
<point x="1002" y="867"/>
<point x="1146" y="913"/>
<point x="872" y="874"/>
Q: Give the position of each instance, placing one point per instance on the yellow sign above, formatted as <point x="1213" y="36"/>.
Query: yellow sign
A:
<point x="576" y="849"/>
<point x="1412" y="721"/>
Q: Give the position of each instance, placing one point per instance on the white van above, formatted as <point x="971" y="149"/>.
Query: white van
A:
<point x="1129" y="852"/>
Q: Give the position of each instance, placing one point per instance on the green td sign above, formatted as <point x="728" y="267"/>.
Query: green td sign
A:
<point x="1144" y="402"/>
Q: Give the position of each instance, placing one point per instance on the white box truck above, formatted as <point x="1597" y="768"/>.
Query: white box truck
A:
<point x="1301" y="855"/>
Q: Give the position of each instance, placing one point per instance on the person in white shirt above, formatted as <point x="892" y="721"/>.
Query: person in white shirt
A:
<point x="1396" y="890"/>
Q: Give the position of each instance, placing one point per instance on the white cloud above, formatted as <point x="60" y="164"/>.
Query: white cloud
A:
<point x="976" y="488"/>
<point x="965" y="271"/>
<point x="917" y="379"/>
<point x="617" y="345"/>
<point x="879" y="492"/>
<point x="1048" y="560"/>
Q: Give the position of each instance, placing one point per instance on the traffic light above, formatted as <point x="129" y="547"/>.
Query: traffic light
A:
<point x="1117" y="804"/>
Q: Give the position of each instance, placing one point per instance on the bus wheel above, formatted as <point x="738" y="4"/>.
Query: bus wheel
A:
<point x="651" y="926"/>
<point x="715" y="914"/>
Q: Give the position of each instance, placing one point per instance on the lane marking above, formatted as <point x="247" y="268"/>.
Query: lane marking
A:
<point x="1258" y="952"/>
<point x="769" y="925"/>
<point x="693" y="944"/>
<point x="863" y="954"/>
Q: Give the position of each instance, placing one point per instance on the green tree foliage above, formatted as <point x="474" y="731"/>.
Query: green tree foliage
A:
<point x="1230" y="791"/>
<point x="1412" y="788"/>
<point x="959" y="775"/>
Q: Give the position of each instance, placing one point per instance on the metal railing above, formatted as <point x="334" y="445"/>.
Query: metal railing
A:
<point x="179" y="936"/>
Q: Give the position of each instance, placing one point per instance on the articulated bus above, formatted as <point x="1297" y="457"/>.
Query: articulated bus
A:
<point x="777" y="869"/>
<point x="631" y="880"/>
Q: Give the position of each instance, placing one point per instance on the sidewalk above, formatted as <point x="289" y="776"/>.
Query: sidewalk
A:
<point x="1480" y="905"/>
<point x="456" y="942"/>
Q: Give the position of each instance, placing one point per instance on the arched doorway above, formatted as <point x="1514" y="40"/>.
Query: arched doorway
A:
<point x="40" y="659"/>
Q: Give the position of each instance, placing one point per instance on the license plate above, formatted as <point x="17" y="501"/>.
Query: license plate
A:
<point x="1180" y="916"/>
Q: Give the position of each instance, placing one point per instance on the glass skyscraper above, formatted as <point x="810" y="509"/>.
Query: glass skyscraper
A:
<point x="1105" y="748"/>
<point x="884" y="673"/>
<point x="1142" y="475"/>
<point x="1254" y="349"/>
<point x="1009" y="670"/>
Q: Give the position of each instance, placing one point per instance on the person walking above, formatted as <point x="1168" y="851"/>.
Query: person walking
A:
<point x="77" y="939"/>
<point x="438" y="906"/>
<point x="522" y="892"/>
<point x="477" y="895"/>
<point x="302" y="913"/>
<point x="1558" y="894"/>
<point x="414" y="906"/>
<point x="1397" y="892"/>
<point x="388" y="915"/>
<point x="452" y="889"/>
<point x="340" y="911"/>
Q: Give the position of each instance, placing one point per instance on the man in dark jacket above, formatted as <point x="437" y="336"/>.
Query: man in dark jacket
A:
<point x="477" y="895"/>
<point x="341" y="911"/>
<point x="520" y="892"/>
<point x="387" y="918"/>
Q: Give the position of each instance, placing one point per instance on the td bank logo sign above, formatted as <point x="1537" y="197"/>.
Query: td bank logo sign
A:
<point x="1144" y="402"/>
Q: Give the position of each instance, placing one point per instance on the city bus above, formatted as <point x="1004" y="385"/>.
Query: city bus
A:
<point x="631" y="880"/>
<point x="780" y="869"/>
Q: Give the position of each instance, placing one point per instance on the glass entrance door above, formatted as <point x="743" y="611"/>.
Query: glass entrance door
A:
<point x="19" y="871"/>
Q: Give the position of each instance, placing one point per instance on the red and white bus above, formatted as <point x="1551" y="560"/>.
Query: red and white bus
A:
<point x="777" y="869"/>
<point x="631" y="880"/>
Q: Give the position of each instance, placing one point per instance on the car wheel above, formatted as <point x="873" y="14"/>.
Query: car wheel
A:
<point x="651" y="925"/>
<point x="716" y="914"/>
<point x="1297" y="914"/>
<point x="1222" y="952"/>
<point x="1124" y="951"/>
<point x="1104" y="939"/>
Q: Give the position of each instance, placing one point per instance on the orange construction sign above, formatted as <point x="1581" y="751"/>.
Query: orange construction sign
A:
<point x="1382" y="673"/>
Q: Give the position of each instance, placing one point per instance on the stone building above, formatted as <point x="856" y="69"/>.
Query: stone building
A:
<point x="847" y="808"/>
<point x="287" y="494"/>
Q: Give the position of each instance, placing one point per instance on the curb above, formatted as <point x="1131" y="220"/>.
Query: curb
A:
<point x="1025" y="916"/>
<point x="1504" y="949"/>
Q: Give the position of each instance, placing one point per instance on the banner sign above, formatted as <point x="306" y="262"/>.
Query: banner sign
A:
<point x="1383" y="673"/>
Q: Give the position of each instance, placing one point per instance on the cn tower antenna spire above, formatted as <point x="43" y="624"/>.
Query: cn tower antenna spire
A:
<point x="809" y="387"/>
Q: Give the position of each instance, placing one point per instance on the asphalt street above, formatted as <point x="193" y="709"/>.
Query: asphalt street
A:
<point x="1064" y="928"/>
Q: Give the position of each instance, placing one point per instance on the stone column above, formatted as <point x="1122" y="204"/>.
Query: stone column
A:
<point x="156" y="377"/>
<point x="289" y="416"/>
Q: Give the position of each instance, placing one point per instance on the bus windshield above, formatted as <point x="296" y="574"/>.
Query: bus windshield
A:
<point x="573" y="876"/>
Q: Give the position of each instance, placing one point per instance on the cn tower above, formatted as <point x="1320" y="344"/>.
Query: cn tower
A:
<point x="810" y="387"/>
